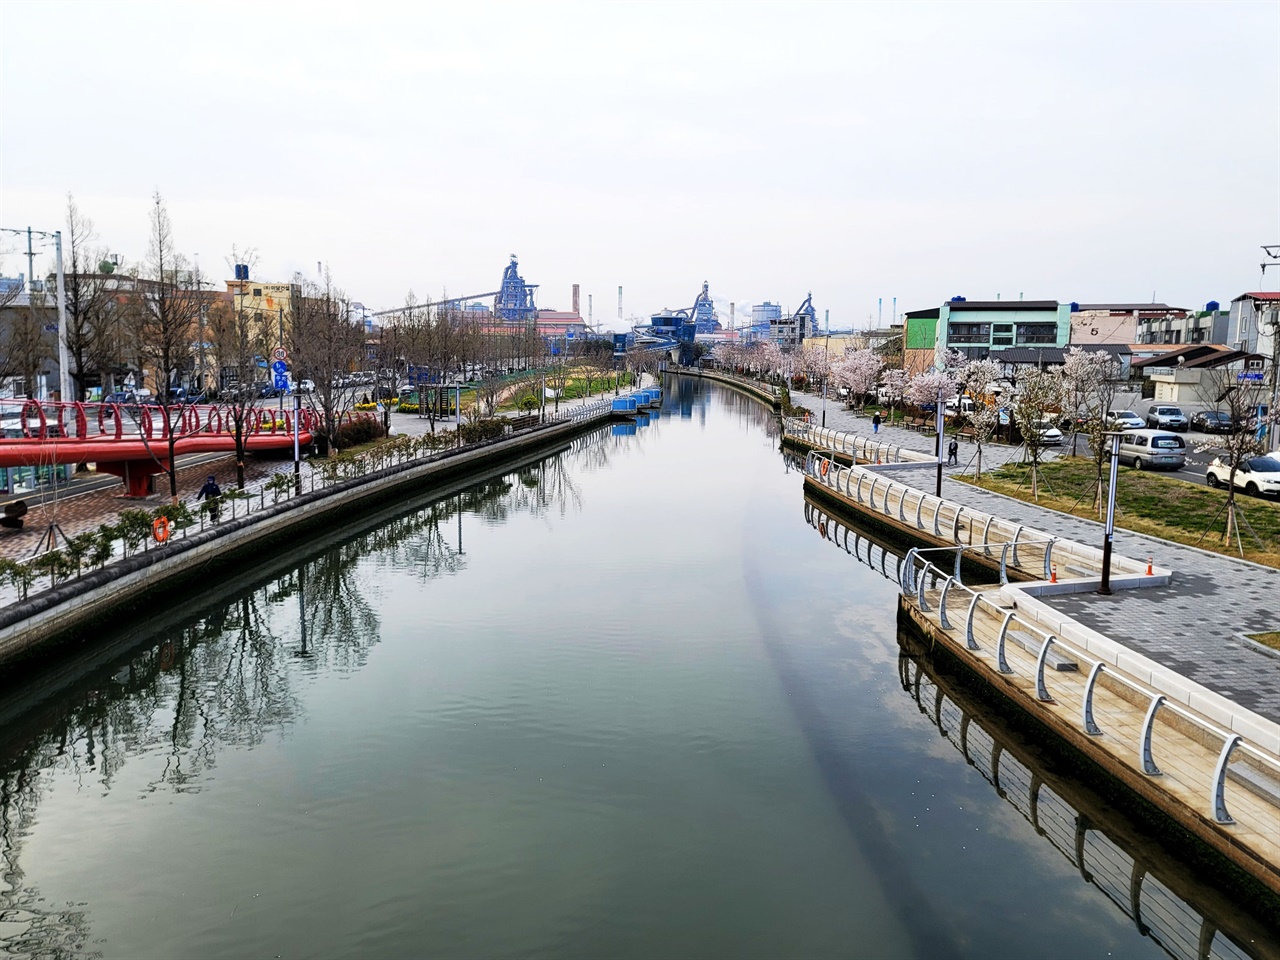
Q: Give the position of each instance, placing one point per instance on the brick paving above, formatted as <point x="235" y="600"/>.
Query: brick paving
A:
<point x="78" y="512"/>
<point x="1189" y="626"/>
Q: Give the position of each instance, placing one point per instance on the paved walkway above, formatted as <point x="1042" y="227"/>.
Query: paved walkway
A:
<point x="97" y="499"/>
<point x="1188" y="626"/>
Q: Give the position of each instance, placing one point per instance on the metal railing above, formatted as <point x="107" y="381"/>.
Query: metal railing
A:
<point x="1016" y="546"/>
<point x="1142" y="886"/>
<point x="855" y="445"/>
<point x="919" y="578"/>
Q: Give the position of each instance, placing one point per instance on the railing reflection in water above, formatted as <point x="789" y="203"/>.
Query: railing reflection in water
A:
<point x="1165" y="898"/>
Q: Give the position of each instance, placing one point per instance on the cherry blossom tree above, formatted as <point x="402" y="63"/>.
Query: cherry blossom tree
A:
<point x="974" y="381"/>
<point x="858" y="372"/>
<point x="893" y="384"/>
<point x="1039" y="395"/>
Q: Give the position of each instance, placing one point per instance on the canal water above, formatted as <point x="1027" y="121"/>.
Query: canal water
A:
<point x="622" y="702"/>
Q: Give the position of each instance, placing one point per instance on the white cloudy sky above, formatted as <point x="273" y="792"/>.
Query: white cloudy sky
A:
<point x="1074" y="151"/>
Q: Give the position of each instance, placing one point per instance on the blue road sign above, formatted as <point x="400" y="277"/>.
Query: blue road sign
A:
<point x="278" y="367"/>
<point x="281" y="380"/>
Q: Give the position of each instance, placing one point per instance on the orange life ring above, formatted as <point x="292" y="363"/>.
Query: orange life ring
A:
<point x="826" y="465"/>
<point x="160" y="529"/>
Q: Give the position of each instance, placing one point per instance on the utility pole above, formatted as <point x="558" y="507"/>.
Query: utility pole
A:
<point x="1104" y="587"/>
<point x="826" y="365"/>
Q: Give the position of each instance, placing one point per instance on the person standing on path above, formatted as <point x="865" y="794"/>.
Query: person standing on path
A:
<point x="211" y="492"/>
<point x="875" y="422"/>
<point x="953" y="453"/>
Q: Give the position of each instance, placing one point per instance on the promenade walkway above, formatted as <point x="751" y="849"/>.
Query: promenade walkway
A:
<point x="1190" y="626"/>
<point x="89" y="503"/>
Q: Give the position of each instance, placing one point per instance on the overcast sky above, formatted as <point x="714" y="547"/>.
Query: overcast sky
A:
<point x="1084" y="151"/>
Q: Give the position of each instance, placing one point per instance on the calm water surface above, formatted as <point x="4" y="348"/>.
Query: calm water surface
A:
<point x="623" y="702"/>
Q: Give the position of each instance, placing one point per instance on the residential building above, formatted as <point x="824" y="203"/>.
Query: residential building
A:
<point x="920" y="343"/>
<point x="1191" y="373"/>
<point x="265" y="301"/>
<point x="1122" y="322"/>
<point x="981" y="328"/>
<point x="1253" y="321"/>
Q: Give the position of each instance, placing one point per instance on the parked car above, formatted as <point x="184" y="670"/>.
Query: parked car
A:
<point x="1212" y="421"/>
<point x="1152" y="449"/>
<point x="1257" y="476"/>
<point x="306" y="386"/>
<point x="1123" y="420"/>
<point x="1050" y="435"/>
<point x="1164" y="416"/>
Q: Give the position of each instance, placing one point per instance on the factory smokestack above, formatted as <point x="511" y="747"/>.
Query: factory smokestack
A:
<point x="733" y="321"/>
<point x="619" y="303"/>
<point x="575" y="299"/>
<point x="589" y="305"/>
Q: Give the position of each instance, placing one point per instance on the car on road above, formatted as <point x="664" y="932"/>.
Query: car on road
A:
<point x="1257" y="476"/>
<point x="1212" y="421"/>
<point x="306" y="386"/>
<point x="1050" y="435"/>
<point x="1123" y="420"/>
<point x="1165" y="416"/>
<point x="1152" y="450"/>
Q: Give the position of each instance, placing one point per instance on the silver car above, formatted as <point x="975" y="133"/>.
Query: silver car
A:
<point x="1165" y="416"/>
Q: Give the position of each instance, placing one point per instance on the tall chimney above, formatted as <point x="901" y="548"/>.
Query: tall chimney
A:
<point x="589" y="309"/>
<point x="733" y="321"/>
<point x="575" y="298"/>
<point x="619" y="303"/>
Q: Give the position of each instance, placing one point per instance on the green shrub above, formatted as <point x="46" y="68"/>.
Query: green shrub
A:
<point x="358" y="431"/>
<point x="19" y="575"/>
<point x="483" y="430"/>
<point x="132" y="527"/>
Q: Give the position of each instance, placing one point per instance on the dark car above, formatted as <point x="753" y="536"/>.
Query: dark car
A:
<point x="1212" y="421"/>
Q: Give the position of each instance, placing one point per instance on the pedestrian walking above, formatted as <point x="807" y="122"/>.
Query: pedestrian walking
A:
<point x="876" y="421"/>
<point x="953" y="453"/>
<point x="211" y="493"/>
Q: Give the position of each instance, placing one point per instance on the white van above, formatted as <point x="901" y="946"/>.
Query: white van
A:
<point x="1153" y="449"/>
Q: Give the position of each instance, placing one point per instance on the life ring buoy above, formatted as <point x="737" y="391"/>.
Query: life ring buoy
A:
<point x="160" y="529"/>
<point x="826" y="465"/>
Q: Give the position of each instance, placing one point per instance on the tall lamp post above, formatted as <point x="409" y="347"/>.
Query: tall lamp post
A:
<point x="1104" y="587"/>
<point x="826" y="364"/>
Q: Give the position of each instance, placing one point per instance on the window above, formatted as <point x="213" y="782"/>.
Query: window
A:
<point x="257" y="291"/>
<point x="1037" y="333"/>
<point x="1167" y="443"/>
<point x="968" y="332"/>
<point x="1003" y="328"/>
<point x="1253" y="363"/>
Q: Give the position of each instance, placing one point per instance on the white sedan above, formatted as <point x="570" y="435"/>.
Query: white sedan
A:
<point x="1259" y="476"/>
<point x="1124" y="420"/>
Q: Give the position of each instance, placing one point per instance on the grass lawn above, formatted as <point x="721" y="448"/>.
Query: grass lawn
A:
<point x="574" y="389"/>
<point x="1271" y="638"/>
<point x="1148" y="503"/>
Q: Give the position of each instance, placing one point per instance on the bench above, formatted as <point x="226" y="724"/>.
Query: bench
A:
<point x="13" y="514"/>
<point x="524" y="420"/>
<point x="966" y="433"/>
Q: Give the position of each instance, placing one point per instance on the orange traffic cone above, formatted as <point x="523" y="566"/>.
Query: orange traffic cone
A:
<point x="1053" y="573"/>
<point x="1150" y="560"/>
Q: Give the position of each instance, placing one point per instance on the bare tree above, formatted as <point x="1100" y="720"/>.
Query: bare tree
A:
<point x="1040" y="394"/>
<point x="93" y="322"/>
<point x="166" y="312"/>
<point x="326" y="343"/>
<point x="239" y="338"/>
<point x="1241" y="399"/>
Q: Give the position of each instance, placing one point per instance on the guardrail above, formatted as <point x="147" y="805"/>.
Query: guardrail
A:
<point x="981" y="618"/>
<point x="1166" y="898"/>
<point x="855" y="445"/>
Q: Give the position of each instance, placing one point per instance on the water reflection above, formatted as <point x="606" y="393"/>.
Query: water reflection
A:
<point x="1165" y="898"/>
<point x="230" y="675"/>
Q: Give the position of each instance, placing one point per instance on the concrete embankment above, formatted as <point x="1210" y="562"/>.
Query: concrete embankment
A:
<point x="155" y="579"/>
<point x="1209" y="764"/>
<point x="765" y="393"/>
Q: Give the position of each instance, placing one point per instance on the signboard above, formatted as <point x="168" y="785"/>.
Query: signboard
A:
<point x="619" y="344"/>
<point x="280" y="354"/>
<point x="1250" y="376"/>
<point x="279" y="374"/>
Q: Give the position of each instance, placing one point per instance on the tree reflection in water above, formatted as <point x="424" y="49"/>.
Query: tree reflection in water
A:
<point x="229" y="677"/>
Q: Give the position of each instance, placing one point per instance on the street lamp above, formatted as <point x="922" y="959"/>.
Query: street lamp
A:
<point x="1104" y="587"/>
